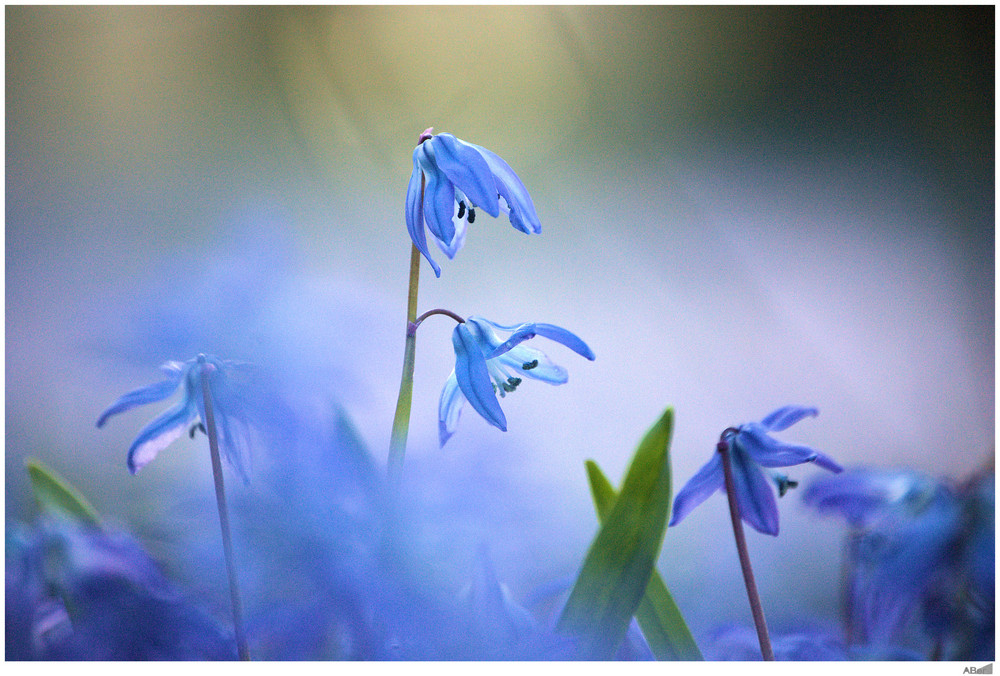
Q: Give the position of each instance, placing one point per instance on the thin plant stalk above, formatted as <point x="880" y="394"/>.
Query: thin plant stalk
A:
<point x="220" y="497"/>
<point x="741" y="548"/>
<point x="401" y="421"/>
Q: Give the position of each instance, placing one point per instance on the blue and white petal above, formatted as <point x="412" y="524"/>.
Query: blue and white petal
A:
<point x="474" y="378"/>
<point x="520" y="209"/>
<point x="160" y="433"/>
<point x="439" y="198"/>
<point x="415" y="211"/>
<point x="466" y="168"/>
<point x="554" y="333"/>
<point x="449" y="408"/>
<point x="532" y="363"/>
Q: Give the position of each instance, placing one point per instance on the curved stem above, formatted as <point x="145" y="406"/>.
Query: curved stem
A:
<point x="741" y="548"/>
<point x="448" y="313"/>
<point x="220" y="498"/>
<point x="401" y="421"/>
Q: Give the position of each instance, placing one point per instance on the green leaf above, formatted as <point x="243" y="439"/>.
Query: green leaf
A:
<point x="659" y="617"/>
<point x="618" y="565"/>
<point x="355" y="450"/>
<point x="56" y="496"/>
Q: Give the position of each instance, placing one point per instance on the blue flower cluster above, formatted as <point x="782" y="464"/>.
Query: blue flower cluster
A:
<point x="332" y="567"/>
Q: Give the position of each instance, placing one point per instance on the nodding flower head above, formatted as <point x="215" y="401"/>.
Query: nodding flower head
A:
<point x="751" y="449"/>
<point x="485" y="365"/>
<point x="188" y="414"/>
<point x="451" y="179"/>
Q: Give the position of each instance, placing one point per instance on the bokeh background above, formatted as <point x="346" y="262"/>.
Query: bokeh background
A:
<point x="742" y="208"/>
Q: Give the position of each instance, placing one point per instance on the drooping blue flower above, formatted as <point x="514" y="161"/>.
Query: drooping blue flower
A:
<point x="486" y="365"/>
<point x="918" y="547"/>
<point x="230" y="418"/>
<point x="751" y="449"/>
<point x="450" y="174"/>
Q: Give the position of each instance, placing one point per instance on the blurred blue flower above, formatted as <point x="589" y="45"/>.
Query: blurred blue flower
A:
<point x="230" y="415"/>
<point x="485" y="365"/>
<point x="918" y="547"/>
<point x="85" y="593"/>
<point x="751" y="448"/>
<point x="448" y="172"/>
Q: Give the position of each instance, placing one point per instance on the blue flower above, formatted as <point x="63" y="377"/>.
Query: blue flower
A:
<point x="449" y="173"/>
<point x="751" y="448"/>
<point x="485" y="365"/>
<point x="916" y="546"/>
<point x="185" y="415"/>
<point x="84" y="593"/>
<point x="867" y="497"/>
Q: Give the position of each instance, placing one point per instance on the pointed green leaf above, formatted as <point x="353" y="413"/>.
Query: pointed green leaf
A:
<point x="56" y="496"/>
<point x="616" y="570"/>
<point x="659" y="617"/>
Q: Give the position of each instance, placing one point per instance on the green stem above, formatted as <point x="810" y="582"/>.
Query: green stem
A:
<point x="741" y="548"/>
<point x="401" y="421"/>
<point x="220" y="498"/>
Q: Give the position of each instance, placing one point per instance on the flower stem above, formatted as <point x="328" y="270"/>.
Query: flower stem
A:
<point x="401" y="421"/>
<point x="741" y="548"/>
<point x="220" y="497"/>
<point x="431" y="313"/>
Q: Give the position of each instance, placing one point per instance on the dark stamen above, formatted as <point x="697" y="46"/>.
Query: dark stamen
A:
<point x="784" y="485"/>
<point x="472" y="215"/>
<point x="513" y="382"/>
<point x="528" y="365"/>
<point x="461" y="209"/>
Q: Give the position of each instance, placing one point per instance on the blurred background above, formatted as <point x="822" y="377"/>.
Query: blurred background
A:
<point x="742" y="208"/>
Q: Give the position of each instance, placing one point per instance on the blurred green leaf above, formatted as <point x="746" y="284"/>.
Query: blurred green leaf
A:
<point x="56" y="496"/>
<point x="659" y="617"/>
<point x="355" y="450"/>
<point x="617" y="568"/>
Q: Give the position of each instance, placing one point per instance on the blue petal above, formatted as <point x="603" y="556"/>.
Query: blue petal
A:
<point x="457" y="241"/>
<point x="826" y="462"/>
<point x="464" y="166"/>
<point x="768" y="451"/>
<point x="787" y="416"/>
<point x="143" y="395"/>
<point x="706" y="481"/>
<point x="160" y="433"/>
<point x="521" y="210"/>
<point x="415" y="212"/>
<point x="564" y="337"/>
<point x="439" y="198"/>
<point x="866" y="495"/>
<point x="474" y="378"/>
<point x="543" y="368"/>
<point x="234" y="442"/>
<point x="554" y="333"/>
<point x="449" y="408"/>
<point x="753" y="494"/>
